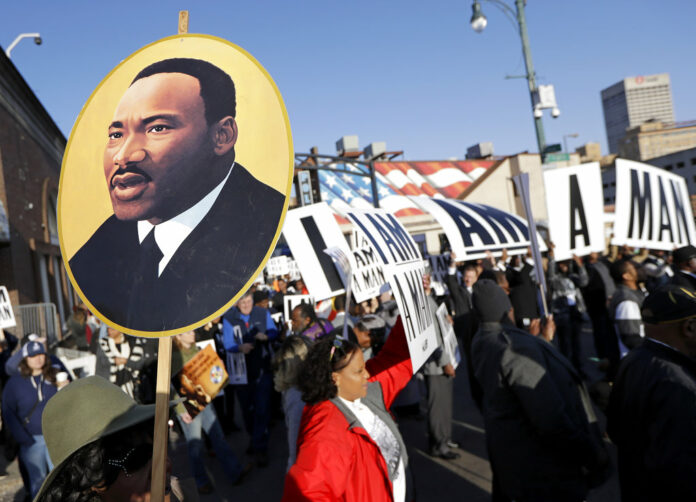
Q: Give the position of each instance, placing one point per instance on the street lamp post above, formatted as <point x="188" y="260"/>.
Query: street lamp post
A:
<point x="20" y="37"/>
<point x="479" y="22"/>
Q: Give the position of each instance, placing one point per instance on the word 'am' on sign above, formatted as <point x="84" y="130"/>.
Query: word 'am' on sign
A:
<point x="473" y="230"/>
<point x="652" y="208"/>
<point x="575" y="205"/>
<point x="367" y="274"/>
<point x="310" y="230"/>
<point x="7" y="318"/>
<point x="403" y="268"/>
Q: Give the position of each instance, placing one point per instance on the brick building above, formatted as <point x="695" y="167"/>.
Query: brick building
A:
<point x="31" y="151"/>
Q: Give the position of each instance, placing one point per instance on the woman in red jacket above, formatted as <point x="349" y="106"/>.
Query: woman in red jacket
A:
<point x="349" y="448"/>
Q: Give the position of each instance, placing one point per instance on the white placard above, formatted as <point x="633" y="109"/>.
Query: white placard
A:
<point x="236" y="360"/>
<point x="403" y="267"/>
<point x="449" y="339"/>
<point x="278" y="266"/>
<point x="652" y="208"/>
<point x="575" y="205"/>
<point x="292" y="301"/>
<point x="439" y="268"/>
<point x="295" y="273"/>
<point x="7" y="318"/>
<point x="475" y="229"/>
<point x="309" y="230"/>
<point x="368" y="276"/>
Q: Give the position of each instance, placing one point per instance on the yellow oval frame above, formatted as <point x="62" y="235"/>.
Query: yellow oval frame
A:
<point x="68" y="249"/>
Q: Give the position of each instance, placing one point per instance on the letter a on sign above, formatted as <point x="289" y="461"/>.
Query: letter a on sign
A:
<point x="575" y="206"/>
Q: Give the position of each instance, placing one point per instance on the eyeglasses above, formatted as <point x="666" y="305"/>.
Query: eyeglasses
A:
<point x="337" y="344"/>
<point x="135" y="459"/>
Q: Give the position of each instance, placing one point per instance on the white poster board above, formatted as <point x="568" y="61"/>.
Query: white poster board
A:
<point x="237" y="361"/>
<point x="475" y="229"/>
<point x="439" y="268"/>
<point x="575" y="206"/>
<point x="292" y="301"/>
<point x="278" y="266"/>
<point x="449" y="339"/>
<point x="309" y="230"/>
<point x="7" y="319"/>
<point x="403" y="267"/>
<point x="653" y="209"/>
<point x="368" y="276"/>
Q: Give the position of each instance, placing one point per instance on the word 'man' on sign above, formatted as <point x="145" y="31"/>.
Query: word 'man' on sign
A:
<point x="652" y="208"/>
<point x="575" y="205"/>
<point x="403" y="268"/>
<point x="473" y="230"/>
<point x="7" y="319"/>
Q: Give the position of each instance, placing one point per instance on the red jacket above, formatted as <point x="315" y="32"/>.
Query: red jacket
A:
<point x="336" y="463"/>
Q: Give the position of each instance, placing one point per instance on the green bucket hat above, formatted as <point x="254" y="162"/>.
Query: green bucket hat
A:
<point x="98" y="407"/>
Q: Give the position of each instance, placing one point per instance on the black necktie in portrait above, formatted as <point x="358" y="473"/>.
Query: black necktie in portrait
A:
<point x="150" y="256"/>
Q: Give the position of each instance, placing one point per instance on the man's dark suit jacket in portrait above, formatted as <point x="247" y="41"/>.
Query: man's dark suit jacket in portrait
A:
<point x="210" y="266"/>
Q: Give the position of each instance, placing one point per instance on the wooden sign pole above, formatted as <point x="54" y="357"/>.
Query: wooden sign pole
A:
<point x="164" y="375"/>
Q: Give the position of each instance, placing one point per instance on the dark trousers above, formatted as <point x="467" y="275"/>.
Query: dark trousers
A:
<point x="255" y="400"/>
<point x="440" y="388"/>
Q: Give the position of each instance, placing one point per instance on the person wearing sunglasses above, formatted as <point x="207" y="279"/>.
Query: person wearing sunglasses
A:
<point x="108" y="457"/>
<point x="349" y="447"/>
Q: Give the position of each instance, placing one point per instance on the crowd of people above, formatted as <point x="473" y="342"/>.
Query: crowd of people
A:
<point x="619" y="339"/>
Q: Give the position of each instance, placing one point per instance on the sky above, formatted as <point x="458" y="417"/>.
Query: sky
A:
<point x="410" y="73"/>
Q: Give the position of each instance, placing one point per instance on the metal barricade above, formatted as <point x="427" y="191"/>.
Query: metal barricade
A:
<point x="39" y="318"/>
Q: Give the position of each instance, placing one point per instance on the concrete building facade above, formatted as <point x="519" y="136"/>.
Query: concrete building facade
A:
<point x="633" y="101"/>
<point x="655" y="139"/>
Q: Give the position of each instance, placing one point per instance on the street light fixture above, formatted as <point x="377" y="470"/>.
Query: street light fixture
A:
<point x="479" y="22"/>
<point x="35" y="36"/>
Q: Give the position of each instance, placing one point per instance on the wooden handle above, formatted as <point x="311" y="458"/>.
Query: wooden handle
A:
<point x="159" y="444"/>
<point x="183" y="21"/>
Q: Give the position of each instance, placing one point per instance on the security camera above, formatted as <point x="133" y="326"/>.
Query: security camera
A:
<point x="555" y="113"/>
<point x="37" y="40"/>
<point x="538" y="113"/>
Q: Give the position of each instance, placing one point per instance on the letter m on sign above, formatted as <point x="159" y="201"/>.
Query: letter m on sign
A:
<point x="640" y="219"/>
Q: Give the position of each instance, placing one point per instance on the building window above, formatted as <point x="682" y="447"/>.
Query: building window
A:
<point x="680" y="165"/>
<point x="668" y="167"/>
<point x="693" y="161"/>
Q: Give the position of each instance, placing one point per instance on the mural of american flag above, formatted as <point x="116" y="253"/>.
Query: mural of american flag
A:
<point x="396" y="181"/>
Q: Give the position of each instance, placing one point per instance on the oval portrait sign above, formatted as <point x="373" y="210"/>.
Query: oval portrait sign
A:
<point x="174" y="185"/>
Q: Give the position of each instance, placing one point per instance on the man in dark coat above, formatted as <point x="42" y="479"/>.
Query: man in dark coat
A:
<point x="190" y="225"/>
<point x="652" y="409"/>
<point x="684" y="263"/>
<point x="543" y="440"/>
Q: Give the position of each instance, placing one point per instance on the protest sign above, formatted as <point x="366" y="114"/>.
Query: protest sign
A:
<point x="236" y="360"/>
<point x="7" y="319"/>
<point x="310" y="230"/>
<point x="575" y="205"/>
<point x="449" y="339"/>
<point x="358" y="239"/>
<point x="229" y="201"/>
<point x="403" y="267"/>
<point x="367" y="273"/>
<point x="200" y="380"/>
<point x="474" y="229"/>
<point x="278" y="266"/>
<point x="652" y="209"/>
<point x="295" y="273"/>
<point x="439" y="268"/>
<point x="292" y="301"/>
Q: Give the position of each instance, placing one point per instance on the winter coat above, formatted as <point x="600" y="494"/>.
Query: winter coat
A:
<point x="337" y="459"/>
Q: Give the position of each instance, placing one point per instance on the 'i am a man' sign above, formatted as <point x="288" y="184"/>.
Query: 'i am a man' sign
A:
<point x="403" y="268"/>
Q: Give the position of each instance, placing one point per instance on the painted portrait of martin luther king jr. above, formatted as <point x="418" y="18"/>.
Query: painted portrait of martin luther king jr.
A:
<point x="190" y="224"/>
